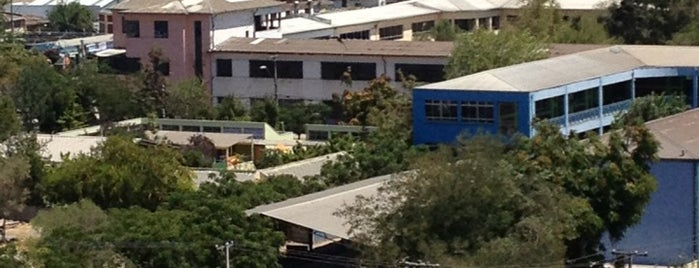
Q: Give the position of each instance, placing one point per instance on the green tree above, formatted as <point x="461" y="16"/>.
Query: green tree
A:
<point x="648" y="21"/>
<point x="231" y="108"/>
<point x="71" y="17"/>
<point x="443" y="30"/>
<point x="13" y="173"/>
<point x="651" y="107"/>
<point x="541" y="18"/>
<point x="583" y="30"/>
<point x="265" y="110"/>
<point x="189" y="99"/>
<point x="71" y="236"/>
<point x="153" y="92"/>
<point x="118" y="173"/>
<point x="9" y="122"/>
<point x="483" y="50"/>
<point x="296" y="116"/>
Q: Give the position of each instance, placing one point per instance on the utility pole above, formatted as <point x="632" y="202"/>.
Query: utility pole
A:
<point x="629" y="254"/>
<point x="227" y="247"/>
<point x="274" y="77"/>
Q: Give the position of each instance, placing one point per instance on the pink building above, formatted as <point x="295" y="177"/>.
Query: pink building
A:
<point x="186" y="30"/>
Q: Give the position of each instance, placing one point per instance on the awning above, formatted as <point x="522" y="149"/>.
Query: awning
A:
<point x="110" y="52"/>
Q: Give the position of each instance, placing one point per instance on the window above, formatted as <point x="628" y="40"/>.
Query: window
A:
<point x="549" y="108"/>
<point x="356" y="35"/>
<point x="318" y="135"/>
<point x="465" y="25"/>
<point x="583" y="100"/>
<point x="616" y="92"/>
<point x="422" y="72"/>
<point x="285" y="69"/>
<point x="508" y="118"/>
<point x="483" y="23"/>
<point x="160" y="29"/>
<point x="496" y="23"/>
<point x="477" y="112"/>
<point x="391" y="33"/>
<point x="224" y="67"/>
<point x="131" y="28"/>
<point x="421" y="27"/>
<point x="440" y="110"/>
<point x="191" y="128"/>
<point x="211" y="129"/>
<point x="170" y="127"/>
<point x="164" y="68"/>
<point x="356" y="70"/>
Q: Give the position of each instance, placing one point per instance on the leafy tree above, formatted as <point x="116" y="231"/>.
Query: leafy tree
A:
<point x="231" y="108"/>
<point x="483" y="50"/>
<point x="296" y="116"/>
<point x="13" y="173"/>
<point x="71" y="237"/>
<point x="42" y="96"/>
<point x="466" y="206"/>
<point x="119" y="173"/>
<point x="266" y="110"/>
<point x="189" y="99"/>
<point x="651" y="107"/>
<point x="153" y="92"/>
<point x="71" y="17"/>
<point x="443" y="30"/>
<point x="613" y="177"/>
<point x="9" y="122"/>
<point x="27" y="147"/>
<point x="583" y="30"/>
<point x="200" y="152"/>
<point x="10" y="257"/>
<point x="648" y="21"/>
<point x="541" y="18"/>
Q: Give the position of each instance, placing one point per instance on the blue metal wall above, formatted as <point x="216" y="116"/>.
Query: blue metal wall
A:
<point x="430" y="132"/>
<point x="666" y="230"/>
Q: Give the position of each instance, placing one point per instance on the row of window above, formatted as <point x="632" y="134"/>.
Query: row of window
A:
<point x="396" y="32"/>
<point x="471" y="112"/>
<point x="582" y="100"/>
<point x="330" y="70"/>
<point x="132" y="28"/>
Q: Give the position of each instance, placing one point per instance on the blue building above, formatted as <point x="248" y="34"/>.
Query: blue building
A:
<point x="670" y="224"/>
<point x="579" y="92"/>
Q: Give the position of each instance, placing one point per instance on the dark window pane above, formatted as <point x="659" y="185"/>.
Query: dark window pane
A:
<point x="131" y="28"/>
<point x="161" y="29"/>
<point x="391" y="33"/>
<point x="422" y="72"/>
<point x="358" y="71"/>
<point x="224" y="67"/>
<point x="285" y="69"/>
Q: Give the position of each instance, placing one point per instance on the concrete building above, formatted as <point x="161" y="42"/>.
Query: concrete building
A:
<point x="668" y="228"/>
<point x="312" y="69"/>
<point x="186" y="30"/>
<point x="402" y="20"/>
<point x="579" y="92"/>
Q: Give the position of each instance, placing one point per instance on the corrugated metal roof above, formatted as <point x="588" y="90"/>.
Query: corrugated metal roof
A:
<point x="301" y="169"/>
<point x="335" y="47"/>
<point x="192" y="6"/>
<point x="55" y="146"/>
<point x="316" y="210"/>
<point x="678" y="135"/>
<point x="220" y="140"/>
<point x="558" y="71"/>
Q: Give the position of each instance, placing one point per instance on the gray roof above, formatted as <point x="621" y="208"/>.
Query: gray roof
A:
<point x="334" y="47"/>
<point x="316" y="211"/>
<point x="559" y="71"/>
<point x="303" y="168"/>
<point x="678" y="135"/>
<point x="220" y="140"/>
<point x="192" y="6"/>
<point x="55" y="146"/>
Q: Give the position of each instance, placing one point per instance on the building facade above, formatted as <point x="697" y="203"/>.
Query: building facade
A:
<point x="185" y="33"/>
<point x="579" y="92"/>
<point x="313" y="69"/>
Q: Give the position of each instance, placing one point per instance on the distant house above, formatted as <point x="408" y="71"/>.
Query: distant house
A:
<point x="669" y="227"/>
<point x="42" y="8"/>
<point x="186" y="30"/>
<point x="56" y="147"/>
<point x="579" y="92"/>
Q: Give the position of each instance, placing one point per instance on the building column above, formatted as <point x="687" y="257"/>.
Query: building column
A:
<point x="632" y="86"/>
<point x="600" y="105"/>
<point x="695" y="88"/>
<point x="566" y="112"/>
<point x="490" y="23"/>
<point x="476" y="24"/>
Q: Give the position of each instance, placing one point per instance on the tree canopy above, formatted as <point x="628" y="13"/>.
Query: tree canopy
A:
<point x="71" y="17"/>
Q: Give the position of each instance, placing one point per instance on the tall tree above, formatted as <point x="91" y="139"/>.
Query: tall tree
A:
<point x="71" y="17"/>
<point x="483" y="50"/>
<point x="583" y="30"/>
<point x="119" y="173"/>
<point x="231" y="108"/>
<point x="541" y="18"/>
<point x="13" y="173"/>
<point x="9" y="122"/>
<point x="648" y="21"/>
<point x="189" y="99"/>
<point x="154" y="89"/>
<point x="265" y="110"/>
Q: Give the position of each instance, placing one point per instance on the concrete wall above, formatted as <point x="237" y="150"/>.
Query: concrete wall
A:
<point x="311" y="87"/>
<point x="667" y="229"/>
<point x="430" y="132"/>
<point x="178" y="47"/>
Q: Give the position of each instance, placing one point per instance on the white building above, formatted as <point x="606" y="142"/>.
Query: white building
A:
<point x="311" y="69"/>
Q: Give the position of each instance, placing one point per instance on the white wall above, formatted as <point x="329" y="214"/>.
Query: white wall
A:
<point x="311" y="87"/>
<point x="232" y="24"/>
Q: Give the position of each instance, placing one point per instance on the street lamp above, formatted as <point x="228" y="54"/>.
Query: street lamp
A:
<point x="227" y="246"/>
<point x="276" y="89"/>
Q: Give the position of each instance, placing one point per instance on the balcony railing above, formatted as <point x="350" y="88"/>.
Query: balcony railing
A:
<point x="590" y="114"/>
